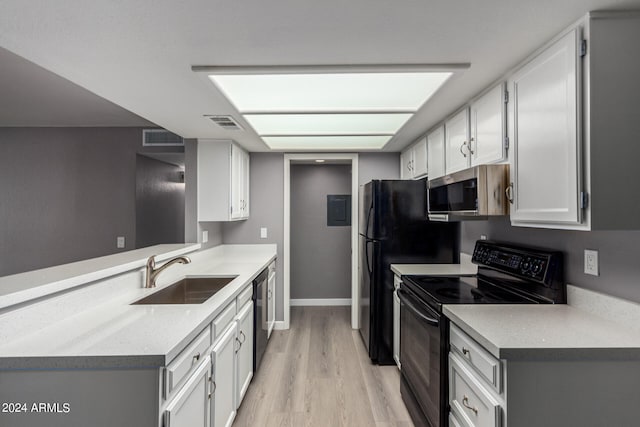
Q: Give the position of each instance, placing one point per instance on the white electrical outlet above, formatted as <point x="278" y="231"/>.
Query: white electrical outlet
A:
<point x="263" y="232"/>
<point x="205" y="236"/>
<point x="120" y="242"/>
<point x="591" y="262"/>
<point x="483" y="237"/>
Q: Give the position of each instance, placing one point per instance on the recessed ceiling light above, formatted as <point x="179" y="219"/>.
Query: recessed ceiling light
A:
<point x="327" y="124"/>
<point x="319" y="160"/>
<point x="341" y="143"/>
<point x="361" y="92"/>
<point x="329" y="107"/>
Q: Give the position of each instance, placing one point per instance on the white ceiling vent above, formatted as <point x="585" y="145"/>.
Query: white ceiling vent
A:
<point x="225" y="122"/>
<point x="160" y="138"/>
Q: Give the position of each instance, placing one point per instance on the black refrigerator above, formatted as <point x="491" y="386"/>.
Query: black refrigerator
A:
<point x="394" y="229"/>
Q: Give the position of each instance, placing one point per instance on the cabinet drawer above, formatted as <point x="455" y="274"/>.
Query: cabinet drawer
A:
<point x="190" y="357"/>
<point x="453" y="421"/>
<point x="470" y="401"/>
<point x="245" y="296"/>
<point x="489" y="368"/>
<point x="223" y="319"/>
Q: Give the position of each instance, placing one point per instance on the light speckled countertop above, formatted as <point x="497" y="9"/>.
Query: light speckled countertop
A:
<point x="18" y="288"/>
<point x="96" y="327"/>
<point x="465" y="268"/>
<point x="545" y="332"/>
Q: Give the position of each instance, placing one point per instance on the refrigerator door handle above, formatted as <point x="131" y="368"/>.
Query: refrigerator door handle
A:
<point x="366" y="229"/>
<point x="366" y="255"/>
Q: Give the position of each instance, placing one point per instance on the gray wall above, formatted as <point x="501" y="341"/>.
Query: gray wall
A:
<point x="267" y="202"/>
<point x="378" y="166"/>
<point x="66" y="194"/>
<point x="266" y="193"/>
<point x="618" y="253"/>
<point x="159" y="202"/>
<point x="192" y="228"/>
<point x="320" y="255"/>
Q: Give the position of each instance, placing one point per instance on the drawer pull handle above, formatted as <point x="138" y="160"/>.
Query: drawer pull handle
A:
<point x="466" y="351"/>
<point x="196" y="357"/>
<point x="465" y="402"/>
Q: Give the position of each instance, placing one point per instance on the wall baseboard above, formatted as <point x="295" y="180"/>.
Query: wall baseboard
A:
<point x="321" y="302"/>
<point x="280" y="326"/>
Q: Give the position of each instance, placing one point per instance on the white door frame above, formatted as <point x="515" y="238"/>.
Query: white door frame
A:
<point x="288" y="158"/>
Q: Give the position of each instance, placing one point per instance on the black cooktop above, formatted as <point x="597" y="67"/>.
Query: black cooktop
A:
<point x="462" y="290"/>
<point x="507" y="274"/>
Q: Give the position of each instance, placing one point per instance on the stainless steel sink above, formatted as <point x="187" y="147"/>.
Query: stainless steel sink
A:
<point x="191" y="290"/>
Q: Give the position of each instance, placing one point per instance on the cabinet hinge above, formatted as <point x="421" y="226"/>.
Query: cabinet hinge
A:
<point x="506" y="142"/>
<point x="506" y="96"/>
<point x="583" y="48"/>
<point x="584" y="200"/>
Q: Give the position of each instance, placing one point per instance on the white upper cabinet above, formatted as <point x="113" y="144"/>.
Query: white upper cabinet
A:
<point x="545" y="164"/>
<point x="574" y="112"/>
<point x="223" y="181"/>
<point x="413" y="160"/>
<point x="435" y="153"/>
<point x="488" y="143"/>
<point x="239" y="183"/>
<point x="406" y="162"/>
<point x="457" y="153"/>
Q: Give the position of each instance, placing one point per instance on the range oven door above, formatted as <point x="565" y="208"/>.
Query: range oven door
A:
<point x="423" y="354"/>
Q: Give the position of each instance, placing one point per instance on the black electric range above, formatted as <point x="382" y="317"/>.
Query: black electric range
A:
<point x="507" y="274"/>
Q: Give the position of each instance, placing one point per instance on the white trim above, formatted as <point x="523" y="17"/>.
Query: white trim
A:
<point x="279" y="326"/>
<point x="318" y="302"/>
<point x="354" y="230"/>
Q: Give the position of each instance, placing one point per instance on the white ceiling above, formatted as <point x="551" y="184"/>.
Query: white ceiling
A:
<point x="33" y="96"/>
<point x="138" y="54"/>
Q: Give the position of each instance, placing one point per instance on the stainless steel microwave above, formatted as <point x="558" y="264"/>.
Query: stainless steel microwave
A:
<point x="474" y="193"/>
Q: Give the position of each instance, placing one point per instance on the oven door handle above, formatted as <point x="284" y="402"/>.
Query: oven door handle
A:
<point x="418" y="312"/>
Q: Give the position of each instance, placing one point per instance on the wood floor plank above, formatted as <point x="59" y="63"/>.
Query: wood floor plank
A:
<point x="318" y="374"/>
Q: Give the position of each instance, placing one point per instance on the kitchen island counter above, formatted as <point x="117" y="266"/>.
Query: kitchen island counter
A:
<point x="95" y="326"/>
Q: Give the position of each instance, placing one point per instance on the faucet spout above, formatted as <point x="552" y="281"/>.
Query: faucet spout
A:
<point x="152" y="272"/>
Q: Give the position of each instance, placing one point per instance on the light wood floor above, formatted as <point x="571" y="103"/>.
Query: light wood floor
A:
<point x="318" y="374"/>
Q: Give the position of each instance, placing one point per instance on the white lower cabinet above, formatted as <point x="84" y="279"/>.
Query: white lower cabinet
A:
<point x="396" y="321"/>
<point x="469" y="399"/>
<point x="223" y="405"/>
<point x="190" y="406"/>
<point x="271" y="300"/>
<point x="476" y="395"/>
<point x="244" y="351"/>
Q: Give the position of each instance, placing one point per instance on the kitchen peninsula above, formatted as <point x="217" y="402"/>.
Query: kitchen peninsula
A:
<point x="79" y="347"/>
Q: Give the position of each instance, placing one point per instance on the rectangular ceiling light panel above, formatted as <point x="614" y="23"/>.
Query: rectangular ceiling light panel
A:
<point x="347" y="142"/>
<point x="327" y="124"/>
<point x="330" y="92"/>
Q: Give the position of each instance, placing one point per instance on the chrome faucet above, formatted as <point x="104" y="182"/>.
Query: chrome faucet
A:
<point x="152" y="271"/>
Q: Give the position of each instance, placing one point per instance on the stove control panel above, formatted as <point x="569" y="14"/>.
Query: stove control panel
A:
<point x="531" y="264"/>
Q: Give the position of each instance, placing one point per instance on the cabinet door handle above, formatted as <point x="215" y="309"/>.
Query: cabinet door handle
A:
<point x="470" y="150"/>
<point x="213" y="390"/>
<point x="239" y="345"/>
<point x="465" y="403"/>
<point x="196" y="357"/>
<point x="244" y="338"/>
<point x="508" y="192"/>
<point x="462" y="152"/>
<point x="466" y="351"/>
